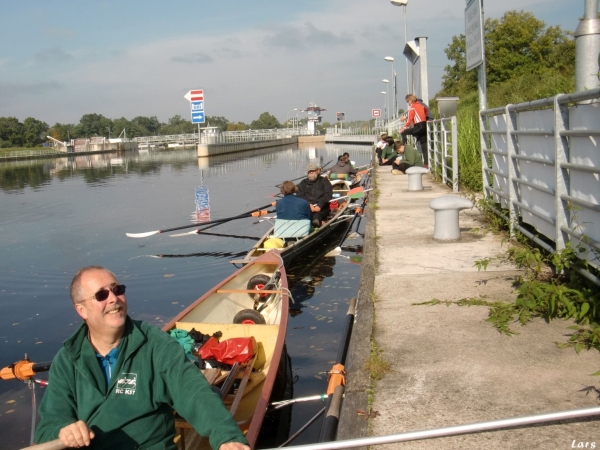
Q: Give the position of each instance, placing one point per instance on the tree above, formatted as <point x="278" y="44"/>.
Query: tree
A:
<point x="265" y="122"/>
<point x="178" y="125"/>
<point x="217" y="121"/>
<point x="516" y="45"/>
<point x="11" y="132"/>
<point x="34" y="132"/>
<point x="147" y="126"/>
<point x="93" y="125"/>
<point x="62" y="132"/>
<point x="239" y="126"/>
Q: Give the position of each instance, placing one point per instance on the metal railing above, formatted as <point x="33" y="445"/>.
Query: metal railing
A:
<point x="224" y="137"/>
<point x="442" y="146"/>
<point x="541" y="163"/>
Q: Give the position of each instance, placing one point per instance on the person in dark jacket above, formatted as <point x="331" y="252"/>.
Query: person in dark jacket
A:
<point x="343" y="167"/>
<point x="410" y="157"/>
<point x="291" y="207"/>
<point x="116" y="381"/>
<point x="317" y="191"/>
<point x="388" y="153"/>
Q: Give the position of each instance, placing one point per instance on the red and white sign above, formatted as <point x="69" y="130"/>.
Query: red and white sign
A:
<point x="195" y="95"/>
<point x="376" y="112"/>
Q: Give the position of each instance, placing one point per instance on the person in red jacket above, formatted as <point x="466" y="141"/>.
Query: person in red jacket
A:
<point x="416" y="124"/>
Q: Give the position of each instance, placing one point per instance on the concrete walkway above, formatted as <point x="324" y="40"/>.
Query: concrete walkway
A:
<point x="448" y="365"/>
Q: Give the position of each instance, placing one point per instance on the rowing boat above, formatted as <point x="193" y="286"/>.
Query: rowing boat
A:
<point x="236" y="309"/>
<point x="338" y="221"/>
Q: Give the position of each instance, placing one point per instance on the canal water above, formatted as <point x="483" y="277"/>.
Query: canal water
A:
<point x="58" y="215"/>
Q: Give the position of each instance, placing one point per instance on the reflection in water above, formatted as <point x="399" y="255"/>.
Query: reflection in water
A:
<point x="59" y="215"/>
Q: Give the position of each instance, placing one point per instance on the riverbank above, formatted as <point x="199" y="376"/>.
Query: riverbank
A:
<point x="447" y="365"/>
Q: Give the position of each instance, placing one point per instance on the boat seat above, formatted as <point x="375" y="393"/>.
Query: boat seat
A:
<point x="291" y="228"/>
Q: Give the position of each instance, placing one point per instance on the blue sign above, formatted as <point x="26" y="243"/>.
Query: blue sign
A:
<point x="197" y="106"/>
<point x="197" y="116"/>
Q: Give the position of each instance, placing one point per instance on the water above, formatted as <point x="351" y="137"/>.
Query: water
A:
<point x="59" y="215"/>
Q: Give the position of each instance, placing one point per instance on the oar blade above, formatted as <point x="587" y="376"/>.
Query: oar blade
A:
<point x="185" y="234"/>
<point x="142" y="235"/>
<point x="335" y="252"/>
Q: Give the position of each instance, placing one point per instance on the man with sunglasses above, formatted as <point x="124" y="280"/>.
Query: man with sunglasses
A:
<point x="116" y="381"/>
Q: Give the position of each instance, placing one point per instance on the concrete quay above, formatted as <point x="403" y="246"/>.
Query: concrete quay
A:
<point x="448" y="366"/>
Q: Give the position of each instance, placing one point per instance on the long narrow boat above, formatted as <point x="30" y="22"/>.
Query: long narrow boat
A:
<point x="236" y="309"/>
<point x="252" y="302"/>
<point x="293" y="247"/>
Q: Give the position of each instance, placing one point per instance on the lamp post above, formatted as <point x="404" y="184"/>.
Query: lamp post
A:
<point x="385" y="104"/>
<point x="108" y="128"/>
<point x="288" y="116"/>
<point x="403" y="3"/>
<point x="387" y="97"/>
<point x="394" y="94"/>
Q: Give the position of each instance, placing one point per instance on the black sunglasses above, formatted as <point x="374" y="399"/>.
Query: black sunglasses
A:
<point x="103" y="293"/>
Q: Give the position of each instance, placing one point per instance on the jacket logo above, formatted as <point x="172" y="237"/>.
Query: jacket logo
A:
<point x="126" y="384"/>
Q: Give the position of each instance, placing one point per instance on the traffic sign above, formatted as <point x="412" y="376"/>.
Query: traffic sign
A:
<point x="376" y="113"/>
<point x="341" y="116"/>
<point x="197" y="116"/>
<point x="195" y="95"/>
<point x="197" y="106"/>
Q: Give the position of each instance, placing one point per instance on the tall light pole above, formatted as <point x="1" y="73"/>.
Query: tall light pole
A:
<point x="385" y="105"/>
<point x="403" y="3"/>
<point x="387" y="97"/>
<point x="394" y="93"/>
<point x="288" y="116"/>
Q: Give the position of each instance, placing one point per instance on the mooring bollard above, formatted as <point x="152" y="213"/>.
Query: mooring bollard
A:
<point x="415" y="178"/>
<point x="446" y="210"/>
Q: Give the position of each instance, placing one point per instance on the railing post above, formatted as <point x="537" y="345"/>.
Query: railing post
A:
<point x="444" y="152"/>
<point x="454" y="154"/>
<point x="562" y="182"/>
<point x="511" y="146"/>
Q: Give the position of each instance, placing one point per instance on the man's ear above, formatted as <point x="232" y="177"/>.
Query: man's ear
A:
<point x="81" y="310"/>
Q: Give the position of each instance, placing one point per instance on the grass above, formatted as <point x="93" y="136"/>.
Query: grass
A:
<point x="9" y="151"/>
<point x="376" y="365"/>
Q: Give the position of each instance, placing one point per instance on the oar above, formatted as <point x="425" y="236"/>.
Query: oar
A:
<point x="23" y="370"/>
<point x="358" y="192"/>
<point x="260" y="213"/>
<point x="51" y="445"/>
<point x="239" y="216"/>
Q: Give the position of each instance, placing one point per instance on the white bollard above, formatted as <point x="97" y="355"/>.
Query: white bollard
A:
<point x="446" y="209"/>
<point x="415" y="178"/>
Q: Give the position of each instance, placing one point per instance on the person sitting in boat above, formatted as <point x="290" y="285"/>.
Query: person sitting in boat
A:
<point x="291" y="207"/>
<point x="317" y="191"/>
<point x="342" y="167"/>
<point x="408" y="157"/>
<point x="116" y="381"/>
<point x="346" y="156"/>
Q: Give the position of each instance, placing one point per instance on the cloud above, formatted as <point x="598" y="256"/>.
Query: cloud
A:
<point x="193" y="58"/>
<point x="302" y="37"/>
<point x="52" y="55"/>
<point x="9" y="89"/>
<point x="60" y="32"/>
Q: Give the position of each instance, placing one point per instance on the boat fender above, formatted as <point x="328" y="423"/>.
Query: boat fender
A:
<point x="274" y="242"/>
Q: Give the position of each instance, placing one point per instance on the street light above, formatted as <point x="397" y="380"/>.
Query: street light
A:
<point x="387" y="98"/>
<point x="395" y="95"/>
<point x="403" y="3"/>
<point x="385" y="104"/>
<point x="288" y="116"/>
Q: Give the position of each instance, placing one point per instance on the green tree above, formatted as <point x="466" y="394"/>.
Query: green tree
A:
<point x="238" y="126"/>
<point x="147" y="126"/>
<point x="93" y="125"/>
<point x="518" y="44"/>
<point x="34" y="132"/>
<point x="178" y="125"/>
<point x="265" y="122"/>
<point x="62" y="132"/>
<point x="11" y="132"/>
<point x="217" y="121"/>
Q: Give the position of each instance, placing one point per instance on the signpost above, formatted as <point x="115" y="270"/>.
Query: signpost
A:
<point x="474" y="34"/>
<point x="196" y="99"/>
<point x="376" y="113"/>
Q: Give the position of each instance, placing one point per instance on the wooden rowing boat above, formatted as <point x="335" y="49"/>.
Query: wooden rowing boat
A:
<point x="235" y="299"/>
<point x="338" y="221"/>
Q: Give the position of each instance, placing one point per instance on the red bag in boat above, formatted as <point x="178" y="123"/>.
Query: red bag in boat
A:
<point x="230" y="351"/>
<point x="334" y="205"/>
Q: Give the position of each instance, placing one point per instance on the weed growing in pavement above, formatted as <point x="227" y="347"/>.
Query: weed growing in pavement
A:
<point x="550" y="287"/>
<point x="376" y="365"/>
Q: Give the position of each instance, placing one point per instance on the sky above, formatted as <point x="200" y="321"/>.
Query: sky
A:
<point x="61" y="60"/>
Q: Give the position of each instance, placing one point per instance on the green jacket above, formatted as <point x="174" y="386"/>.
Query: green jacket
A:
<point x="388" y="152"/>
<point x="412" y="156"/>
<point x="152" y="377"/>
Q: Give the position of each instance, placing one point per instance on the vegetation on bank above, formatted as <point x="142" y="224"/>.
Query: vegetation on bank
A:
<point x="525" y="60"/>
